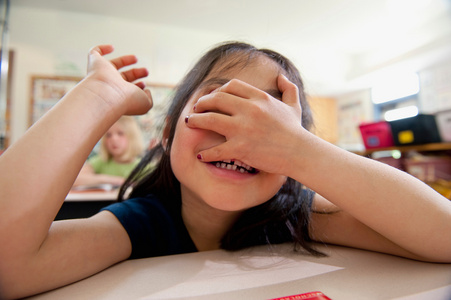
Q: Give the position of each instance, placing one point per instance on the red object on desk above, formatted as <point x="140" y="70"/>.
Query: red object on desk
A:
<point x="306" y="296"/>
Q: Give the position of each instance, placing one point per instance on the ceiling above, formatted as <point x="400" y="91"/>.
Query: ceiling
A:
<point x="368" y="34"/>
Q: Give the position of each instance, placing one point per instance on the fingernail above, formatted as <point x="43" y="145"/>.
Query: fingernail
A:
<point x="186" y="119"/>
<point x="199" y="156"/>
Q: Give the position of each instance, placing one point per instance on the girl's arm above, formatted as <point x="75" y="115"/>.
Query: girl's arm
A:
<point x="387" y="209"/>
<point x="380" y="208"/>
<point x="330" y="224"/>
<point x="38" y="171"/>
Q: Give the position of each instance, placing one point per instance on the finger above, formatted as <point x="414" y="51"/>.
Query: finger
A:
<point x="124" y="61"/>
<point x="215" y="153"/>
<point x="141" y="85"/>
<point x="290" y="92"/>
<point x="149" y="97"/>
<point x="134" y="74"/>
<point x="218" y="102"/>
<point x="218" y="123"/>
<point x="96" y="52"/>
<point x="101" y="49"/>
<point x="240" y="89"/>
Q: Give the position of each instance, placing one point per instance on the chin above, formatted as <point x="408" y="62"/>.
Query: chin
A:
<point x="237" y="204"/>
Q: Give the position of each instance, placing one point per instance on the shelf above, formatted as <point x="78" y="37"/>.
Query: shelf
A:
<point x="420" y="148"/>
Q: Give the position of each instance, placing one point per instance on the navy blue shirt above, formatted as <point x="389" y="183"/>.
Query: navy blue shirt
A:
<point x="154" y="228"/>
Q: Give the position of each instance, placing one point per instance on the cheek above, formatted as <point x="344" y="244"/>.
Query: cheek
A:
<point x="182" y="146"/>
<point x="183" y="138"/>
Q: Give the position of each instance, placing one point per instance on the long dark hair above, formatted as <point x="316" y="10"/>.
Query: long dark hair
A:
<point x="282" y="218"/>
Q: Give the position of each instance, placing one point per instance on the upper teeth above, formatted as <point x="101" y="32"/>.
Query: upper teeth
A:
<point x="234" y="165"/>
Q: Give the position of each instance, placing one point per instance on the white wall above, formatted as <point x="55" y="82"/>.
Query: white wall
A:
<point x="49" y="42"/>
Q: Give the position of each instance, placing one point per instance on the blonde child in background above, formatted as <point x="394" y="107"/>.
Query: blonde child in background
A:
<point x="228" y="174"/>
<point x="120" y="151"/>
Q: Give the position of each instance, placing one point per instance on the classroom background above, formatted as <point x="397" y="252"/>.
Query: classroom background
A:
<point x="363" y="62"/>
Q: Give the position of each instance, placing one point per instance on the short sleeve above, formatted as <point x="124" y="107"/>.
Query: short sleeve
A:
<point x="96" y="163"/>
<point x="153" y="229"/>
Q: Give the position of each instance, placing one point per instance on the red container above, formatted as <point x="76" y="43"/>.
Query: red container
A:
<point x="376" y="135"/>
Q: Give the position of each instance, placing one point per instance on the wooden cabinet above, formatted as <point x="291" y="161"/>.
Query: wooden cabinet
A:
<point x="325" y="118"/>
<point x="434" y="167"/>
<point x="419" y="148"/>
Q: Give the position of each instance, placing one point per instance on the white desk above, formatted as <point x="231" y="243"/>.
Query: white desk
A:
<point x="260" y="273"/>
<point x="92" y="196"/>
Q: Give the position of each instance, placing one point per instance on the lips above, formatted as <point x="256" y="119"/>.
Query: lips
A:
<point x="235" y="165"/>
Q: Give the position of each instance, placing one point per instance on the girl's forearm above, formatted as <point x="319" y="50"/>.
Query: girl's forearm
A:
<point x="391" y="202"/>
<point x="38" y="170"/>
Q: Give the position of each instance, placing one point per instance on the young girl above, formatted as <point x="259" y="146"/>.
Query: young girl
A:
<point x="234" y="150"/>
<point x="120" y="149"/>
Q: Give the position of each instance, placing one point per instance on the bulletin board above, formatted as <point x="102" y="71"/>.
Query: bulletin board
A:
<point x="46" y="91"/>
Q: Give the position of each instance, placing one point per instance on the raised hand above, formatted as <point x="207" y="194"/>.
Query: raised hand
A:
<point x="134" y="98"/>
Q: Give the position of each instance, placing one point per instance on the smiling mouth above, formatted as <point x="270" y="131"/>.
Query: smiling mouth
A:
<point x="234" y="165"/>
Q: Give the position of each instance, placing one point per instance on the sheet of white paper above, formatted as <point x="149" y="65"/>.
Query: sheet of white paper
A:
<point x="220" y="277"/>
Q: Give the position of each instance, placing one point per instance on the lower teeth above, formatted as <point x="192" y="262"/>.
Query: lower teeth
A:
<point x="231" y="167"/>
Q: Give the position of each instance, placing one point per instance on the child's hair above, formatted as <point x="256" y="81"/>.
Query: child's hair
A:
<point x="135" y="140"/>
<point x="282" y="218"/>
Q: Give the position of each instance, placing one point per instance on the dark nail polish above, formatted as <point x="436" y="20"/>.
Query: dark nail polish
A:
<point x="186" y="119"/>
<point x="199" y="157"/>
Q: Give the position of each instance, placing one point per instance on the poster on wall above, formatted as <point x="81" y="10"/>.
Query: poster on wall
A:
<point x="46" y="91"/>
<point x="435" y="93"/>
<point x="351" y="115"/>
<point x="354" y="109"/>
<point x="152" y="123"/>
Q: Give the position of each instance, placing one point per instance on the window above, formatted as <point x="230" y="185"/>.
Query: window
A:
<point x="396" y="97"/>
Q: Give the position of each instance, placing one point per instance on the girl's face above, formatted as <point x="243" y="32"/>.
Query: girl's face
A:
<point x="116" y="141"/>
<point x="204" y="183"/>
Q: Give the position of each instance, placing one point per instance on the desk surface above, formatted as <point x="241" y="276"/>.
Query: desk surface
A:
<point x="263" y="273"/>
<point x="81" y="196"/>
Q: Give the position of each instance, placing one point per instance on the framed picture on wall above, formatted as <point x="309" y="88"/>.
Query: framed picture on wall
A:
<point x="7" y="66"/>
<point x="46" y="91"/>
